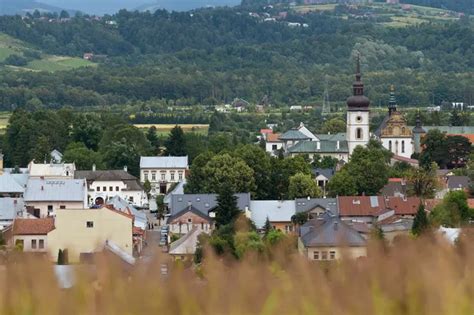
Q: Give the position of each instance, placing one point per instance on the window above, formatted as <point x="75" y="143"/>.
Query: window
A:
<point x="180" y="175"/>
<point x="390" y="145"/>
<point x="33" y="244"/>
<point x="172" y="175"/>
<point x="41" y="244"/>
<point x="98" y="188"/>
<point x="332" y="255"/>
<point x="116" y="188"/>
<point x="274" y="147"/>
<point x="131" y="199"/>
<point x="324" y="255"/>
<point x="50" y="208"/>
<point x="62" y="207"/>
<point x="104" y="188"/>
<point x="359" y="119"/>
<point x="153" y="176"/>
<point x="190" y="220"/>
<point x="359" y="133"/>
<point x="403" y="146"/>
<point x="145" y="176"/>
<point x="288" y="228"/>
<point x="163" y="176"/>
<point x="111" y="188"/>
<point x="316" y="255"/>
<point x="89" y="224"/>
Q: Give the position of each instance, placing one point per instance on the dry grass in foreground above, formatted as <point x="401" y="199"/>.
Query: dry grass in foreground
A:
<point x="415" y="277"/>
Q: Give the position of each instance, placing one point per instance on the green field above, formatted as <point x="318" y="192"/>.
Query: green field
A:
<point x="164" y="129"/>
<point x="4" y="117"/>
<point x="51" y="63"/>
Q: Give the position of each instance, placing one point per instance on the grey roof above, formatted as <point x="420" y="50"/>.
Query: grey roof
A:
<point x="204" y="202"/>
<point x="187" y="244"/>
<point x="9" y="208"/>
<point x="330" y="231"/>
<point x="274" y="210"/>
<point x="305" y="204"/>
<point x="402" y="224"/>
<point x="452" y="129"/>
<point x="10" y="184"/>
<point x="325" y="147"/>
<point x="55" y="190"/>
<point x="341" y="136"/>
<point x="120" y="204"/>
<point x="382" y="126"/>
<point x="326" y="172"/>
<point x="164" y="162"/>
<point x="294" y="134"/>
<point x="177" y="190"/>
<point x="130" y="181"/>
<point x="186" y="210"/>
<point x="456" y="182"/>
<point x="394" y="189"/>
<point x="56" y="156"/>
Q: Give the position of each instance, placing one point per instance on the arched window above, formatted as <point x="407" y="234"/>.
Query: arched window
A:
<point x="403" y="146"/>
<point x="359" y="133"/>
<point x="403" y="130"/>
<point x="390" y="145"/>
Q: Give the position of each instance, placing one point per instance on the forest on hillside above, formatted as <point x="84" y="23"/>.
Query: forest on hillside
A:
<point x="212" y="56"/>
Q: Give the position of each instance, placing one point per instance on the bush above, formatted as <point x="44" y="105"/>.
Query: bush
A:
<point x="16" y="60"/>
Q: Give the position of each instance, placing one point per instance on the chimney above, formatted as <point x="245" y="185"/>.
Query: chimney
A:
<point x="94" y="167"/>
<point x="338" y="145"/>
<point x="42" y="187"/>
<point x="125" y="168"/>
<point x="318" y="145"/>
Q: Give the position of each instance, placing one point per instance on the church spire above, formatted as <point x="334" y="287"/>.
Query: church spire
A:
<point x="392" y="104"/>
<point x="358" y="100"/>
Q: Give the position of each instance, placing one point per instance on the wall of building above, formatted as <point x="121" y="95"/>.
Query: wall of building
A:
<point x="115" y="188"/>
<point x="354" y="123"/>
<point x="286" y="227"/>
<point x="27" y="242"/>
<point x="72" y="232"/>
<point x="397" y="146"/>
<point x="334" y="253"/>
<point x="157" y="176"/>
<point x="269" y="146"/>
<point x="339" y="156"/>
<point x="43" y="206"/>
<point x="187" y="221"/>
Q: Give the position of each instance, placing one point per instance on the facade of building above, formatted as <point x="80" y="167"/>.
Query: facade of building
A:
<point x="43" y="197"/>
<point x="104" y="185"/>
<point x="51" y="170"/>
<point x="163" y="171"/>
<point x="85" y="231"/>
<point x="31" y="234"/>
<point x="278" y="212"/>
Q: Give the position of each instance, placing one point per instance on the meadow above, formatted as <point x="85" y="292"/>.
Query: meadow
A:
<point x="164" y="129"/>
<point x="414" y="277"/>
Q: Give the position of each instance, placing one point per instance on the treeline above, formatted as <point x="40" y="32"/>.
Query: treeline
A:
<point x="213" y="56"/>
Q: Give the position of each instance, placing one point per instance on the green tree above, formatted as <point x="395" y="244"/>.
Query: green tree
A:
<point x="324" y="162"/>
<point x="459" y="149"/>
<point x="302" y="186"/>
<point x="246" y="242"/>
<point x="274" y="237"/>
<point x="176" y="142"/>
<point x="342" y="184"/>
<point x="267" y="227"/>
<point x="259" y="161"/>
<point x="299" y="218"/>
<point x="226" y="210"/>
<point x="423" y="182"/>
<point x="334" y="125"/>
<point x="421" y="223"/>
<point x="434" y="149"/>
<point x="453" y="211"/>
<point x="83" y="157"/>
<point x="197" y="177"/>
<point x="152" y="137"/>
<point x="42" y="150"/>
<point x="147" y="187"/>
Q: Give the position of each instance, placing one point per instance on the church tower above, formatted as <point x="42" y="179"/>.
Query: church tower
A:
<point x="357" y="114"/>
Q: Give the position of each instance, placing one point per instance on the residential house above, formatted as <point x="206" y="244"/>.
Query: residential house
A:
<point x="30" y="234"/>
<point x="278" y="212"/>
<point x="323" y="176"/>
<point x="273" y="143"/>
<point x="10" y="209"/>
<point x="163" y="171"/>
<point x="12" y="185"/>
<point x="329" y="238"/>
<point x="51" y="170"/>
<point x="43" y="197"/>
<point x="189" y="210"/>
<point x="140" y="219"/>
<point x="86" y="231"/>
<point x="104" y="185"/>
<point x="458" y="183"/>
<point x="396" y="187"/>
<point x="317" y="206"/>
<point x="185" y="247"/>
<point x="56" y="156"/>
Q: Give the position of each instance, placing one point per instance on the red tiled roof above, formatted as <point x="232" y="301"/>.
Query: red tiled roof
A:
<point x="273" y="137"/>
<point x="407" y="206"/>
<point x="395" y="180"/>
<point x="266" y="131"/>
<point x="360" y="205"/>
<point x="468" y="136"/>
<point x="33" y="226"/>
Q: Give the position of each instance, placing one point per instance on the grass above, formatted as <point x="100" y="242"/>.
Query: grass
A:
<point x="415" y="277"/>
<point x="4" y="118"/>
<point x="316" y="7"/>
<point x="164" y="129"/>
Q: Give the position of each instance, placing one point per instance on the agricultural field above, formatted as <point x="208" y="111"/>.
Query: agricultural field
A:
<point x="4" y="117"/>
<point x="50" y="63"/>
<point x="396" y="15"/>
<point x="164" y="129"/>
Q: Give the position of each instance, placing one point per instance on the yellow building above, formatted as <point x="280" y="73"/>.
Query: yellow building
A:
<point x="86" y="231"/>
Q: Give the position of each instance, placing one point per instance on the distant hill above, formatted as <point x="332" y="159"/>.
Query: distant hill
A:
<point x="11" y="7"/>
<point x="185" y="5"/>
<point x="466" y="6"/>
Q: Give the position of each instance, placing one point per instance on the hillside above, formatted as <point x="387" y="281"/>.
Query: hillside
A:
<point x="33" y="59"/>
<point x="173" y="5"/>
<point x="11" y="7"/>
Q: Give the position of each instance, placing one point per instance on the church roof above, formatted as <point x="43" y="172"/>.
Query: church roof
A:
<point x="325" y="147"/>
<point x="358" y="101"/>
<point x="294" y="134"/>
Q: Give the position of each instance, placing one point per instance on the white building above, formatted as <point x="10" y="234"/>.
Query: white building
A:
<point x="51" y="170"/>
<point x="104" y="185"/>
<point x="163" y="171"/>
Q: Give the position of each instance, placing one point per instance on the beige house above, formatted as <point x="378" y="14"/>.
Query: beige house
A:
<point x="30" y="234"/>
<point x="163" y="171"/>
<point x="329" y="238"/>
<point x="87" y="231"/>
<point x="51" y="170"/>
